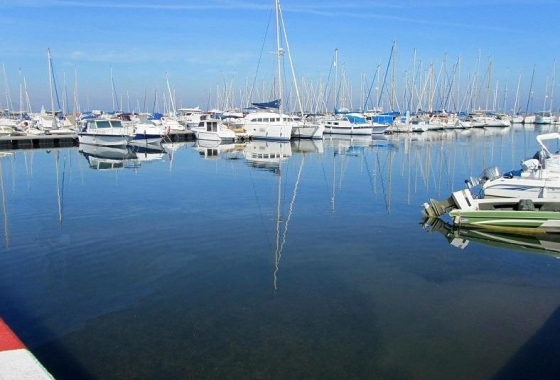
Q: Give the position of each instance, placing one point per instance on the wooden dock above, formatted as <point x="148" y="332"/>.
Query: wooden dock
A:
<point x="65" y="141"/>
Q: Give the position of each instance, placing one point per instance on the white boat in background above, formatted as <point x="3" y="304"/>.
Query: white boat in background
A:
<point x="308" y="130"/>
<point x="104" y="132"/>
<point x="269" y="125"/>
<point x="170" y="124"/>
<point x="6" y="130"/>
<point x="189" y="117"/>
<point x="544" y="117"/>
<point x="481" y="119"/>
<point x="348" y="124"/>
<point x="213" y="130"/>
<point x="529" y="119"/>
<point x="146" y="134"/>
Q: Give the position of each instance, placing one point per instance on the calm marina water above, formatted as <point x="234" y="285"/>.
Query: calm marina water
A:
<point x="227" y="264"/>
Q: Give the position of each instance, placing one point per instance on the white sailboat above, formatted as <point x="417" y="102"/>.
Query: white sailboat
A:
<point x="50" y="122"/>
<point x="277" y="125"/>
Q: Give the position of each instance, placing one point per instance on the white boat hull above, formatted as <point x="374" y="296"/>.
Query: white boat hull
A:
<point x="147" y="134"/>
<point x="225" y="136"/>
<point x="522" y="189"/>
<point x="349" y="130"/>
<point x="378" y="129"/>
<point x="309" y="131"/>
<point x="279" y="132"/>
<point x="103" y="139"/>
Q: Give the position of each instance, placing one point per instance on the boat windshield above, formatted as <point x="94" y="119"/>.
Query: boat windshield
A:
<point x="103" y="124"/>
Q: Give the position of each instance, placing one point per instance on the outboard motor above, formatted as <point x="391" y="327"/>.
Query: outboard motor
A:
<point x="489" y="174"/>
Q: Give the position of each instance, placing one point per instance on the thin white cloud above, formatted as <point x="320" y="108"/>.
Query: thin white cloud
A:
<point x="316" y="8"/>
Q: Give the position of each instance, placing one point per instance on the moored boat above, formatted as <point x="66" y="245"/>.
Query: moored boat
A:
<point x="213" y="130"/>
<point x="104" y="132"/>
<point x="348" y="124"/>
<point x="269" y="125"/>
<point x="531" y="215"/>
<point x="147" y="134"/>
<point x="538" y="177"/>
<point x="308" y="130"/>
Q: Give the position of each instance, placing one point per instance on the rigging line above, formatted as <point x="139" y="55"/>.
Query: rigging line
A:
<point x="294" y="78"/>
<point x="260" y="57"/>
<point x="327" y="89"/>
<point x="386" y="73"/>
<point x="278" y="254"/>
<point x="371" y="88"/>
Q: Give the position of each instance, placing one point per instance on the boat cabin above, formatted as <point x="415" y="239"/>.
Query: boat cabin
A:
<point x="93" y="125"/>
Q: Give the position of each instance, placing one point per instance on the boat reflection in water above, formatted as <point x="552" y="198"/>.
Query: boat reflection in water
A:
<point x="267" y="154"/>
<point x="542" y="243"/>
<point x="307" y="146"/>
<point x="216" y="149"/>
<point x="109" y="157"/>
<point x="148" y="153"/>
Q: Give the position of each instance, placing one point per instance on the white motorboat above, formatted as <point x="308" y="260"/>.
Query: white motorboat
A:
<point x="105" y="132"/>
<point x="213" y="130"/>
<point x="308" y="130"/>
<point x="147" y="134"/>
<point x="269" y="125"/>
<point x="349" y="124"/>
<point x="539" y="176"/>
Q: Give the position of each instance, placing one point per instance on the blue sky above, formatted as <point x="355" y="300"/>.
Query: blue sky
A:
<point x="206" y="47"/>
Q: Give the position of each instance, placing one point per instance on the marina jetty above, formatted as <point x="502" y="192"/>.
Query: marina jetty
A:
<point x="46" y="141"/>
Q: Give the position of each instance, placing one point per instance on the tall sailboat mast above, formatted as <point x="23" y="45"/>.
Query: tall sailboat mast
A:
<point x="52" y="85"/>
<point x="280" y="53"/>
<point x="173" y="110"/>
<point x="50" y="79"/>
<point x="530" y="95"/>
<point x="114" y="93"/>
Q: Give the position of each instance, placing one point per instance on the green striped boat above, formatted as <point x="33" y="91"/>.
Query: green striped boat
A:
<point x="534" y="215"/>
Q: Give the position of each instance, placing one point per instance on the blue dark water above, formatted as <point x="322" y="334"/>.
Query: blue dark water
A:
<point x="199" y="263"/>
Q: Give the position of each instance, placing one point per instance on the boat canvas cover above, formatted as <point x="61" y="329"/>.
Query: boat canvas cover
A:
<point x="266" y="105"/>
